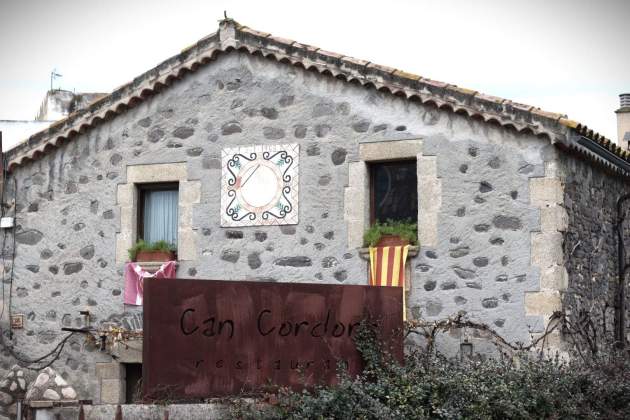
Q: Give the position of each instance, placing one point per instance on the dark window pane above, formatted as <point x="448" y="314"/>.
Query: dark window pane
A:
<point x="394" y="191"/>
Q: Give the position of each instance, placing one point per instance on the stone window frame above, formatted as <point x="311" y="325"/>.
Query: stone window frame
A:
<point x="111" y="376"/>
<point x="357" y="191"/>
<point x="128" y="199"/>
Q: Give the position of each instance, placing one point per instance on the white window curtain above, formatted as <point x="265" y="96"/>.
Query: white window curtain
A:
<point x="160" y="216"/>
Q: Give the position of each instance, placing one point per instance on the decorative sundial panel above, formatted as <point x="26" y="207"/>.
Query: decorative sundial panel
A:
<point x="259" y="185"/>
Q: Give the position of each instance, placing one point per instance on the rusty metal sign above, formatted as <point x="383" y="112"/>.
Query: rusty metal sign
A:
<point x="214" y="338"/>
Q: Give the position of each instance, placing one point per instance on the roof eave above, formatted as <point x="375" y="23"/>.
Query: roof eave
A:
<point x="233" y="36"/>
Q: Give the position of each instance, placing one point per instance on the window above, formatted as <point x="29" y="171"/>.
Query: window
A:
<point x="158" y="212"/>
<point x="393" y="191"/>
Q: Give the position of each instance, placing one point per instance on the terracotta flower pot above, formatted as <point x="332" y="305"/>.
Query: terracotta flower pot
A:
<point x="154" y="256"/>
<point x="391" y="240"/>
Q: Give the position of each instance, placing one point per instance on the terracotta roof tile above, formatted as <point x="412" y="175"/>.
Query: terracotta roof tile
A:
<point x="355" y="61"/>
<point x="490" y="98"/>
<point x="405" y="75"/>
<point x="569" y="123"/>
<point x="466" y="91"/>
<point x="284" y="41"/>
<point x="327" y="54"/>
<point x="300" y="46"/>
<point x="551" y="115"/>
<point x="464" y="96"/>
<point x="254" y="32"/>
<point x="521" y="107"/>
<point x="381" y="68"/>
<point x="434" y="83"/>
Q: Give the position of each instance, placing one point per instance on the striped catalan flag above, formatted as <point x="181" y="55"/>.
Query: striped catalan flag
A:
<point x="387" y="268"/>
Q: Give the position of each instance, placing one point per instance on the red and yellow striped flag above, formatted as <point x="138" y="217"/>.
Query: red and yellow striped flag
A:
<point x="387" y="268"/>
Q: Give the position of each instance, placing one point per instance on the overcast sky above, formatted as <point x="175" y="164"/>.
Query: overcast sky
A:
<point x="565" y="56"/>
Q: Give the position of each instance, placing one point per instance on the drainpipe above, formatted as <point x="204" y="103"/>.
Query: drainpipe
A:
<point x="623" y="267"/>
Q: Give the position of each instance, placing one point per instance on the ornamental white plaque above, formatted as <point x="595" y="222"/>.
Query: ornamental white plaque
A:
<point x="259" y="185"/>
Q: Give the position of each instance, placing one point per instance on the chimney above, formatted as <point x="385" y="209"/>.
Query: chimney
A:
<point x="623" y="121"/>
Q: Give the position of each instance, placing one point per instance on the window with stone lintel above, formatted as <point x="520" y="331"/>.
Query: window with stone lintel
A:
<point x="189" y="194"/>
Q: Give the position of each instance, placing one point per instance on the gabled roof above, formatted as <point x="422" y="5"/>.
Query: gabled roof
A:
<point x="232" y="36"/>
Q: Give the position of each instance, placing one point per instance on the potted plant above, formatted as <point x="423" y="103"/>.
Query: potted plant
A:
<point x="391" y="233"/>
<point x="152" y="252"/>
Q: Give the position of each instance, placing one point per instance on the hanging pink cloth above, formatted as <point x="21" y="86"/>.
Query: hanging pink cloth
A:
<point x="134" y="280"/>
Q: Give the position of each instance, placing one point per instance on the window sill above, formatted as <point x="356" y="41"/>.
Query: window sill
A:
<point x="152" y="266"/>
<point x="364" y="253"/>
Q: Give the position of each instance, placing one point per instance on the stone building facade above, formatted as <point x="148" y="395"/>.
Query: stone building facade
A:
<point x="516" y="206"/>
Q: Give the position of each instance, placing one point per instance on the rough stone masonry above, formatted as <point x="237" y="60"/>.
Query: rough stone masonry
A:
<point x="489" y="244"/>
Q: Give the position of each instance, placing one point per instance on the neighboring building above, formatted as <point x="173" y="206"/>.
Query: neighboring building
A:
<point x="623" y="121"/>
<point x="57" y="104"/>
<point x="14" y="131"/>
<point x="60" y="103"/>
<point x="516" y="207"/>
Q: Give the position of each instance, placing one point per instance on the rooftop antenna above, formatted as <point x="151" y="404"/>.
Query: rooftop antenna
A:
<point x="225" y="15"/>
<point x="53" y="76"/>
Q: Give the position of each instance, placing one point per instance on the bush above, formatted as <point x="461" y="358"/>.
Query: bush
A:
<point x="403" y="229"/>
<point x="430" y="386"/>
<point x="145" y="246"/>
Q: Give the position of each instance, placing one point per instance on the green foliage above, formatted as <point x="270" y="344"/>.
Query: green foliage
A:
<point x="146" y="246"/>
<point x="430" y="386"/>
<point x="404" y="229"/>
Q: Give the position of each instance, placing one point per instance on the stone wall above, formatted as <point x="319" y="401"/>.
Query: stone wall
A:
<point x="590" y="243"/>
<point x="477" y="252"/>
<point x="480" y="262"/>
